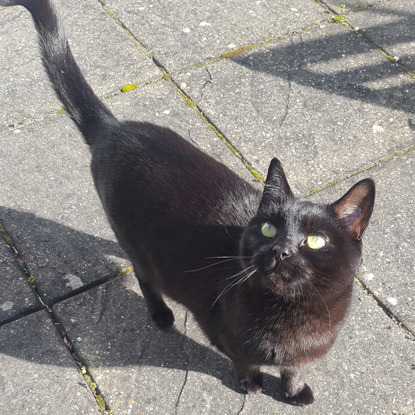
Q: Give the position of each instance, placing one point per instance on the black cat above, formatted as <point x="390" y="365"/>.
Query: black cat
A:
<point x="268" y="277"/>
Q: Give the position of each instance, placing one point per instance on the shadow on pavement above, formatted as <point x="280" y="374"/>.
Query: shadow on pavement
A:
<point x="303" y="63"/>
<point x="107" y="323"/>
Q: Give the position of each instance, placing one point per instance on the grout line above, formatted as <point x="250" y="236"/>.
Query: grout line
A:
<point x="410" y="333"/>
<point x="235" y="52"/>
<point x="31" y="279"/>
<point x="111" y="94"/>
<point x="341" y="18"/>
<point x="215" y="129"/>
<point x="362" y="170"/>
<point x="186" y="98"/>
<point x="127" y="31"/>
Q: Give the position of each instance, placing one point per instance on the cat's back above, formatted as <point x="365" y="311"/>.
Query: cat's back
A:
<point x="154" y="170"/>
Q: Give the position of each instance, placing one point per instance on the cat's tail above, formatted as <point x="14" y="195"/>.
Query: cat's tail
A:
<point x="84" y="107"/>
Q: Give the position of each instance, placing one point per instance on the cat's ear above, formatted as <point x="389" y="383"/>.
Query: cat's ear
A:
<point x="355" y="207"/>
<point x="276" y="186"/>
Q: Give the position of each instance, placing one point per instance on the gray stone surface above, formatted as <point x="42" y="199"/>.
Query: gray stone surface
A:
<point x="38" y="375"/>
<point x="142" y="368"/>
<point x="181" y="34"/>
<point x="321" y="92"/>
<point x="16" y="296"/>
<point x="107" y="57"/>
<point x="160" y="104"/>
<point x="50" y="208"/>
<point x="138" y="367"/>
<point x="389" y="266"/>
<point x="352" y="5"/>
<point x="389" y="25"/>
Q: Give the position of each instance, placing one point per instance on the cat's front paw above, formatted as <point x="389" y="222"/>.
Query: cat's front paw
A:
<point x="302" y="398"/>
<point x="163" y="318"/>
<point x="253" y="384"/>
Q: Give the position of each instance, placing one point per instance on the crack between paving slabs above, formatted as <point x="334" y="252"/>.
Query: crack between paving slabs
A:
<point x="176" y="411"/>
<point x="31" y="279"/>
<point x="243" y="405"/>
<point x="400" y="323"/>
<point x="235" y="52"/>
<point x="359" y="171"/>
<point x="111" y="94"/>
<point x="341" y="18"/>
<point x="168" y="78"/>
<point x="215" y="129"/>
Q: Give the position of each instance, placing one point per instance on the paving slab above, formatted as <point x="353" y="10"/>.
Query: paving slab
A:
<point x="322" y="92"/>
<point x="16" y="296"/>
<point x="107" y="57"/>
<point x="38" y="375"/>
<point x="181" y="34"/>
<point x="370" y="370"/>
<point x="138" y="368"/>
<point x="389" y="267"/>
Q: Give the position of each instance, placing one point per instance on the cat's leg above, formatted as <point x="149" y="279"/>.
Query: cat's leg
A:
<point x="297" y="392"/>
<point x="159" y="311"/>
<point x="250" y="378"/>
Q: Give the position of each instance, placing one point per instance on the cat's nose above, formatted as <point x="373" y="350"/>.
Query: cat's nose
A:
<point x="285" y="254"/>
<point x="282" y="252"/>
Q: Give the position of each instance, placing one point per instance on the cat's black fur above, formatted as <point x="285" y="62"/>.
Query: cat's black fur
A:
<point x="192" y="229"/>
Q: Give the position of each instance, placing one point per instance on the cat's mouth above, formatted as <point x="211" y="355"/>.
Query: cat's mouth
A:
<point x="277" y="270"/>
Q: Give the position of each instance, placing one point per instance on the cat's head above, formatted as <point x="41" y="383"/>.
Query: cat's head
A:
<point x="292" y="242"/>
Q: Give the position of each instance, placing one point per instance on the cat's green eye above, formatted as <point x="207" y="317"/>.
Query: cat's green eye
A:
<point x="268" y="230"/>
<point x="316" y="242"/>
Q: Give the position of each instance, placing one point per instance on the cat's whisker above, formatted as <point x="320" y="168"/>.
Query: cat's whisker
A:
<point x="239" y="274"/>
<point x="211" y="265"/>
<point x="229" y="256"/>
<point x="251" y="271"/>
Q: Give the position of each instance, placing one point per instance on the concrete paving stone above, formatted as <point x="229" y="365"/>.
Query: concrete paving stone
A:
<point x="389" y="267"/>
<point x="138" y="368"/>
<point x="108" y="58"/>
<point x="38" y="375"/>
<point x="16" y="297"/>
<point x="322" y="92"/>
<point x="183" y="33"/>
<point x="389" y="25"/>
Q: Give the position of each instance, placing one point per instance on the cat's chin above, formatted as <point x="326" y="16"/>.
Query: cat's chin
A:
<point x="282" y="282"/>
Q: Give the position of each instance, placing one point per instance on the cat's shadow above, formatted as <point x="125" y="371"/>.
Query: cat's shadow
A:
<point x="112" y="317"/>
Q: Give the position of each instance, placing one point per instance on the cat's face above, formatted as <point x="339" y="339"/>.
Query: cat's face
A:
<point x="293" y="243"/>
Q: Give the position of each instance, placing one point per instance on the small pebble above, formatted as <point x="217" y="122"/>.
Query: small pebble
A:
<point x="392" y="300"/>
